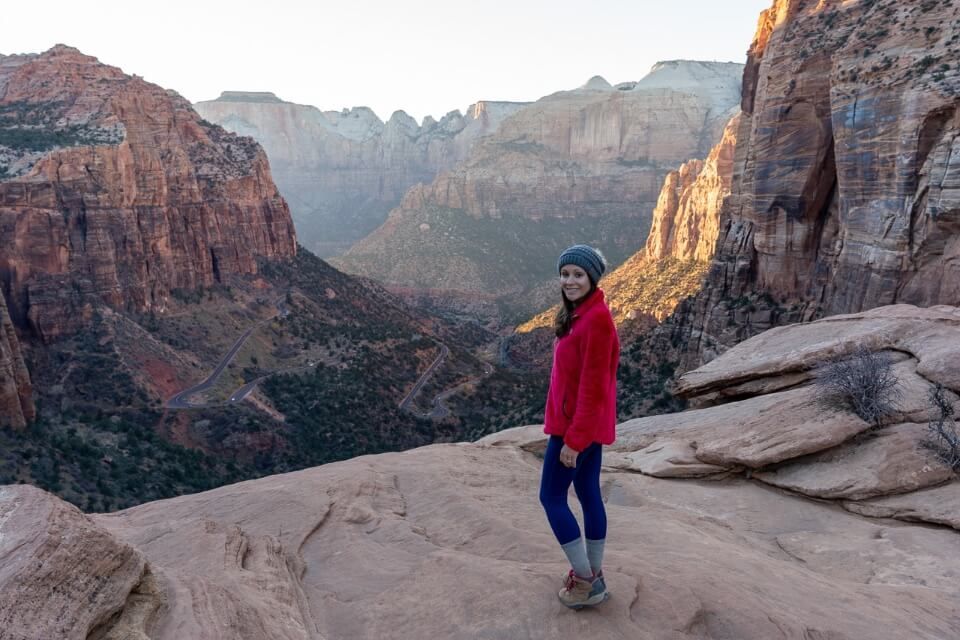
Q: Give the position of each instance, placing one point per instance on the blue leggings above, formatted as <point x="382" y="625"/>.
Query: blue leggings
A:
<point x="555" y="483"/>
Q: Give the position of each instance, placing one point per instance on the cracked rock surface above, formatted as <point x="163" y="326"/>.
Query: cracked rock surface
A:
<point x="450" y="541"/>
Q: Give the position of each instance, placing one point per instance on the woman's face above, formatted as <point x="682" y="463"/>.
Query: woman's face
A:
<point x="574" y="282"/>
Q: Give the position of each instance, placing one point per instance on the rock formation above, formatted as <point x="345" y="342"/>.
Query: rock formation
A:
<point x="376" y="546"/>
<point x="846" y="193"/>
<point x="342" y="171"/>
<point x="672" y="264"/>
<point x="113" y="190"/>
<point x="583" y="165"/>
<point x="16" y="393"/>
<point x="63" y="575"/>
<point x="769" y="377"/>
<point x="687" y="217"/>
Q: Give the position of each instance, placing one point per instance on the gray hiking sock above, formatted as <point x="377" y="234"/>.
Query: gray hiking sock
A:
<point x="595" y="553"/>
<point x="577" y="556"/>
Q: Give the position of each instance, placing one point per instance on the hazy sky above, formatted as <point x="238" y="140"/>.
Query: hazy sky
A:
<point x="422" y="56"/>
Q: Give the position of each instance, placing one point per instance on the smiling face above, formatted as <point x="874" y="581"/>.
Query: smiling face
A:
<point x="574" y="282"/>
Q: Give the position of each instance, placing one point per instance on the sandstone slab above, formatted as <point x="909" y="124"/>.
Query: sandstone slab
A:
<point x="929" y="335"/>
<point x="451" y="541"/>
<point x="61" y="575"/>
<point x="938" y="348"/>
<point x="940" y="505"/>
<point x="883" y="555"/>
<point x="530" y="438"/>
<point x="800" y="439"/>
<point x="668" y="459"/>
<point x="891" y="460"/>
<point x="383" y="539"/>
<point x="751" y="433"/>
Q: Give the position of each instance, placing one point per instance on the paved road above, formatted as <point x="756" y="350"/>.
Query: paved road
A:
<point x="444" y="352"/>
<point x="245" y="390"/>
<point x="182" y="399"/>
<point x="441" y="410"/>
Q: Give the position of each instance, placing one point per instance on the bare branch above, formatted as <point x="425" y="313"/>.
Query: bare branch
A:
<point x="943" y="438"/>
<point x="863" y="382"/>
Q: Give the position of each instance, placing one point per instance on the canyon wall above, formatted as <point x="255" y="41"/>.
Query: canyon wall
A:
<point x="687" y="216"/>
<point x="16" y="392"/>
<point x="342" y="171"/>
<point x="114" y="190"/>
<point x="846" y="190"/>
<point x="577" y="166"/>
<point x="650" y="284"/>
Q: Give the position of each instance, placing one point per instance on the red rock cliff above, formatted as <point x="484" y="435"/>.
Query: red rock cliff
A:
<point x="846" y="190"/>
<point x="114" y="190"/>
<point x="16" y="401"/>
<point x="687" y="216"/>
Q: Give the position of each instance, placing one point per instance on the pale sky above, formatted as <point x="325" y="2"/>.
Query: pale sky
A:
<point x="423" y="56"/>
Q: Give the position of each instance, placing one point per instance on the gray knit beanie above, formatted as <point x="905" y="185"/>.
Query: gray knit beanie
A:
<point x="587" y="258"/>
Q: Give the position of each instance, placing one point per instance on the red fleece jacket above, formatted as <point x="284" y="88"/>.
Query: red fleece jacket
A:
<point x="582" y="400"/>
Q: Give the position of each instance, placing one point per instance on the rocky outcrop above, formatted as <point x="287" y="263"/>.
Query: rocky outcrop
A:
<point x="62" y="576"/>
<point x="769" y="417"/>
<point x="583" y="165"/>
<point x="342" y="171"/>
<point x="686" y="220"/>
<point x="846" y="193"/>
<point x="115" y="191"/>
<point x="16" y="392"/>
<point x="456" y="525"/>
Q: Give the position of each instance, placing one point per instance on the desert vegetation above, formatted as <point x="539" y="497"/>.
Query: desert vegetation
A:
<point x="104" y="440"/>
<point x="99" y="441"/>
<point x="943" y="438"/>
<point x="864" y="382"/>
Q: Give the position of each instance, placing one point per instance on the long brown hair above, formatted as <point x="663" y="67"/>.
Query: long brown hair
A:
<point x="564" y="317"/>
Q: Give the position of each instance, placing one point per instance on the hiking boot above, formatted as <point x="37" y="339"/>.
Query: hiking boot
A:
<point x="578" y="592"/>
<point x="597" y="576"/>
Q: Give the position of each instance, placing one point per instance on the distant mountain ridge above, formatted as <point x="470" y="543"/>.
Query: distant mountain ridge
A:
<point x="584" y="165"/>
<point x="342" y="171"/>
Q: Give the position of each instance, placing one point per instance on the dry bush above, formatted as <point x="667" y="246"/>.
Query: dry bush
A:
<point x="863" y="382"/>
<point x="943" y="438"/>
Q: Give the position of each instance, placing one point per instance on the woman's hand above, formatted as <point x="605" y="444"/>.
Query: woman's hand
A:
<point x="568" y="456"/>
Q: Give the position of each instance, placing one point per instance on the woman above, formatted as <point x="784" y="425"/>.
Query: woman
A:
<point x="580" y="416"/>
